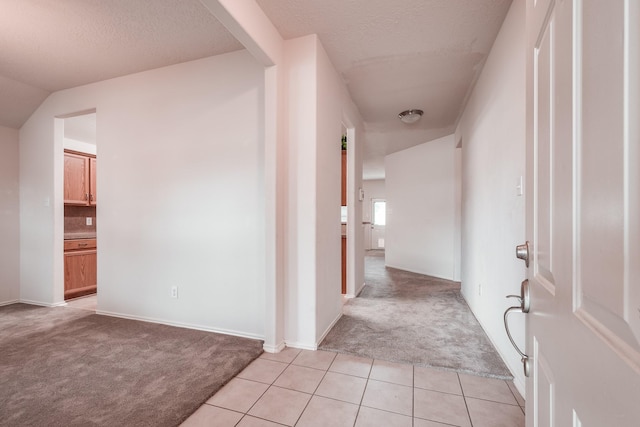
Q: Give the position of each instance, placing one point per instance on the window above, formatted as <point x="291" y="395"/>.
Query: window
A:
<point x="379" y="212"/>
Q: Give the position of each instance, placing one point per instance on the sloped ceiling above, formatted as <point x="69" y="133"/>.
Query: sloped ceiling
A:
<point x="49" y="45"/>
<point x="393" y="55"/>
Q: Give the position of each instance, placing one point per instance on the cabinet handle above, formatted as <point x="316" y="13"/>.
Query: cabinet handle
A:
<point x="82" y="244"/>
<point x="86" y="196"/>
<point x="91" y="196"/>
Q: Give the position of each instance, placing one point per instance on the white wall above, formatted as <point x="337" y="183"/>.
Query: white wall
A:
<point x="420" y="189"/>
<point x="81" y="146"/>
<point x="373" y="189"/>
<point x="329" y="164"/>
<point x="492" y="130"/>
<point x="317" y="104"/>
<point x="9" y="217"/>
<point x="181" y="194"/>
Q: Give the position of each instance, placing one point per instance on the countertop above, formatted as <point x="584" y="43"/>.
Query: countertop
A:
<point x="80" y="235"/>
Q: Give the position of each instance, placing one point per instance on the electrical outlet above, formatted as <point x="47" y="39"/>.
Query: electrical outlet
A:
<point x="174" y="292"/>
<point x="89" y="220"/>
<point x="480" y="289"/>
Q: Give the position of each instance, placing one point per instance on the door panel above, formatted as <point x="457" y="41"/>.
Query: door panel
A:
<point x="583" y="212"/>
<point x="543" y="140"/>
<point x="544" y="389"/>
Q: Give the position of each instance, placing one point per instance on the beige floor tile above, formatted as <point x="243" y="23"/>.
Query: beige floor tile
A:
<point x="89" y="303"/>
<point x="280" y="405"/>
<point x="286" y="355"/>
<point x="436" y="380"/>
<point x="390" y="372"/>
<point x="492" y="414"/>
<point x="369" y="417"/>
<point x="440" y="407"/>
<point x="516" y="393"/>
<point x="342" y="387"/>
<point x="300" y="378"/>
<point x="418" y="422"/>
<point x="388" y="397"/>
<point x="262" y="370"/>
<point x="351" y="365"/>
<point x="210" y="416"/>
<point x="249" y="421"/>
<point x="487" y="389"/>
<point x="321" y="412"/>
<point x="315" y="359"/>
<point x="239" y="394"/>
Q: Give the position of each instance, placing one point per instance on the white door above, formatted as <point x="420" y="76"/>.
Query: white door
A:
<point x="378" y="222"/>
<point x="583" y="219"/>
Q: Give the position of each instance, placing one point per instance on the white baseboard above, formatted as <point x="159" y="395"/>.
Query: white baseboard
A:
<point x="15" y="301"/>
<point x="274" y="349"/>
<point x="324" y="334"/>
<point x="43" y="304"/>
<point x="302" y="346"/>
<point x="181" y="325"/>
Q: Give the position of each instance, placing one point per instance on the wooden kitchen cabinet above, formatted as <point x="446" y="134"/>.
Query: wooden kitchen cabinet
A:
<point x="343" y="192"/>
<point x="80" y="267"/>
<point x="79" y="179"/>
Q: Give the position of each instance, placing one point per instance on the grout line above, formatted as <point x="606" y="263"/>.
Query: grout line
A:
<point x="464" y="397"/>
<point x="413" y="395"/>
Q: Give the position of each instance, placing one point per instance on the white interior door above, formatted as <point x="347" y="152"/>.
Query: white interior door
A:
<point x="378" y="222"/>
<point x="583" y="210"/>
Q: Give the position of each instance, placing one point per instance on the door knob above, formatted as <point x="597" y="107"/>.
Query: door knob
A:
<point x="522" y="252"/>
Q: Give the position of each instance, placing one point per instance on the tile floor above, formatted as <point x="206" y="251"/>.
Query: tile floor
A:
<point x="320" y="388"/>
<point x="85" y="303"/>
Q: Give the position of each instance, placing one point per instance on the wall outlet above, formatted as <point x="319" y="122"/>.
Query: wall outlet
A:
<point x="174" y="292"/>
<point x="89" y="220"/>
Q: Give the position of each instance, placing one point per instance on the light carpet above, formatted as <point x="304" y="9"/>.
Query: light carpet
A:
<point x="68" y="367"/>
<point x="407" y="317"/>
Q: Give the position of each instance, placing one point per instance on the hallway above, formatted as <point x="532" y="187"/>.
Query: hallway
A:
<point x="411" y="318"/>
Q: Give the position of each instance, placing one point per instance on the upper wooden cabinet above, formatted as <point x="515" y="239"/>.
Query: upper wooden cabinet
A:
<point x="344" y="179"/>
<point x="79" y="179"/>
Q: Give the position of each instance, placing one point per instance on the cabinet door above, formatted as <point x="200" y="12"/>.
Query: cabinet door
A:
<point x="93" y="198"/>
<point x="80" y="272"/>
<point x="76" y="179"/>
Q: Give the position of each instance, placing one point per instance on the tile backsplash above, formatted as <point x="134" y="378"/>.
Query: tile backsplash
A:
<point x="75" y="219"/>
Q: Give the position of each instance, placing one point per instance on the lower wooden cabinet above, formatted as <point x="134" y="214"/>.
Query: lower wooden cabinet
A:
<point x="80" y="267"/>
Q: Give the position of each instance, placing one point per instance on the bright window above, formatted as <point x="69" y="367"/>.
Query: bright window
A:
<point x="379" y="212"/>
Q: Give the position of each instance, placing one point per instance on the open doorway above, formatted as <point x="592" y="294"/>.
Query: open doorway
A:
<point x="378" y="222"/>
<point x="80" y="210"/>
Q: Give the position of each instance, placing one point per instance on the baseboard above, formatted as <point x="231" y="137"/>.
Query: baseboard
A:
<point x="15" y="301"/>
<point x="302" y="346"/>
<point x="521" y="386"/>
<point x="181" y="325"/>
<point x="424" y="273"/>
<point x="43" y="304"/>
<point x="274" y="349"/>
<point x="517" y="381"/>
<point x="331" y="325"/>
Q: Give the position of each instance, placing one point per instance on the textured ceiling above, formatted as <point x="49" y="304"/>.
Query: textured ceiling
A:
<point x="398" y="55"/>
<point x="393" y="55"/>
<point x="48" y="45"/>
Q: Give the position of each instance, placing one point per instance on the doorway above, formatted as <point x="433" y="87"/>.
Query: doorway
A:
<point x="378" y="222"/>
<point x="80" y="208"/>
